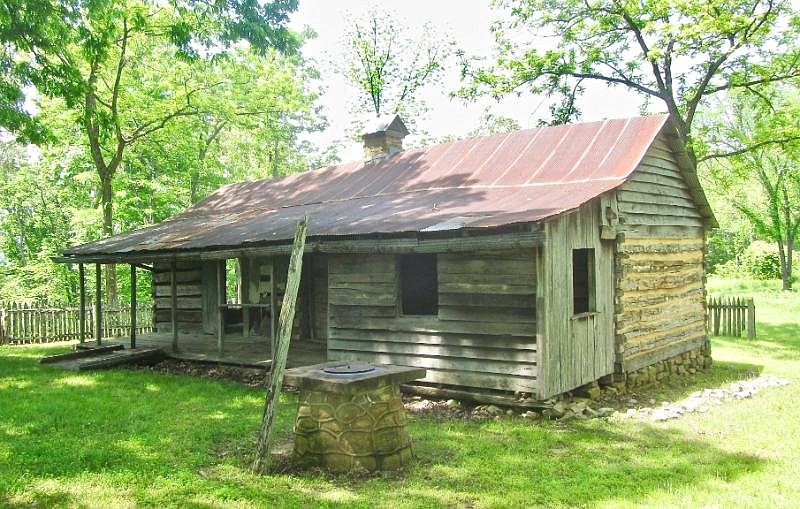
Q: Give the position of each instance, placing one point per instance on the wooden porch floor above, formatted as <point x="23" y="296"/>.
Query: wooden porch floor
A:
<point x="252" y="351"/>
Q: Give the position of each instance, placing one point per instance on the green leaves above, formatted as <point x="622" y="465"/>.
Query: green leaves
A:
<point x="675" y="52"/>
<point x="389" y="63"/>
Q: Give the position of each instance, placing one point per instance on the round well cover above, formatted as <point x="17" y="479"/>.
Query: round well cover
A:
<point x="349" y="368"/>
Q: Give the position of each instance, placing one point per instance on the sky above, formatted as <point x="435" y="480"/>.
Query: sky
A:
<point x="468" y="23"/>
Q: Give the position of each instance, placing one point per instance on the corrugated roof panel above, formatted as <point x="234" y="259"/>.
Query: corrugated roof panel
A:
<point x="524" y="176"/>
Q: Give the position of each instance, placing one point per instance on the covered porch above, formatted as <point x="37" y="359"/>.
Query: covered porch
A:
<point x="222" y="310"/>
<point x="238" y="350"/>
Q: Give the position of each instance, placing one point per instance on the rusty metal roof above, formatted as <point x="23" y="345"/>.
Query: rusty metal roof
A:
<point x="519" y="177"/>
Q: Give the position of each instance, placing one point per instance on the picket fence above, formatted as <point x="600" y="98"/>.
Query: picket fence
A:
<point x="731" y="316"/>
<point x="23" y="322"/>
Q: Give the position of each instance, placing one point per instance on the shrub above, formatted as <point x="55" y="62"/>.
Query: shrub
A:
<point x="761" y="260"/>
<point x="724" y="250"/>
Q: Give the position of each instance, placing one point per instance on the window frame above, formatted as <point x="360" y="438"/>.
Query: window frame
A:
<point x="400" y="264"/>
<point x="590" y="261"/>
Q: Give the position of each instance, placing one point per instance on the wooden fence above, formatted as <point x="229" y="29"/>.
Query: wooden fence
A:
<point x="22" y="323"/>
<point x="731" y="316"/>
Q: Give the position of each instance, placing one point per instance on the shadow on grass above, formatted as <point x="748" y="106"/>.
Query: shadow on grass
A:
<point x="143" y="439"/>
<point x="778" y="341"/>
<point x="517" y="465"/>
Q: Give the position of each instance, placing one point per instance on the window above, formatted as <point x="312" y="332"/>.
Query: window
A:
<point x="582" y="281"/>
<point x="419" y="285"/>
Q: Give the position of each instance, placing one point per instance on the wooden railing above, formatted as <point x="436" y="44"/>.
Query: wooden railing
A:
<point x="731" y="316"/>
<point x="22" y="323"/>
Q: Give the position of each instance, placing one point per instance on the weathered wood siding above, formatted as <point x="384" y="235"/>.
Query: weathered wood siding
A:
<point x="190" y="306"/>
<point x="318" y="296"/>
<point x="484" y="335"/>
<point x="660" y="282"/>
<point x="656" y="194"/>
<point x="310" y="321"/>
<point x="574" y="349"/>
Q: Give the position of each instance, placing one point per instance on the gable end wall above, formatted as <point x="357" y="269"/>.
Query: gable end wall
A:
<point x="659" y="265"/>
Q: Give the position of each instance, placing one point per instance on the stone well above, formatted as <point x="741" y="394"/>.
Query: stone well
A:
<point x="351" y="415"/>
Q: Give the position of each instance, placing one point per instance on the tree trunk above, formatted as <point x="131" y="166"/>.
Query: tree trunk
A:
<point x="786" y="268"/>
<point x="106" y="197"/>
<point x="194" y="183"/>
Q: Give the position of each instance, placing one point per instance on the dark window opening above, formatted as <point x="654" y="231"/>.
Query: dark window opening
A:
<point x="582" y="281"/>
<point x="419" y="284"/>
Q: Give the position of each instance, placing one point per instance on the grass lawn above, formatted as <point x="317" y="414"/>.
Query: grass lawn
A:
<point x="138" y="439"/>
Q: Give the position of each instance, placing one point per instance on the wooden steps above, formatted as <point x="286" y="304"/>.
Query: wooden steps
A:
<point x="103" y="358"/>
<point x="82" y="350"/>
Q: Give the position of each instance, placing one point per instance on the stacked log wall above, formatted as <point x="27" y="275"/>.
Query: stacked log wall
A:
<point x="189" y="276"/>
<point x="483" y="336"/>
<point x="660" y="248"/>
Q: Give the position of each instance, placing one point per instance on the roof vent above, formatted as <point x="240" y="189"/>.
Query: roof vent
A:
<point x="383" y="137"/>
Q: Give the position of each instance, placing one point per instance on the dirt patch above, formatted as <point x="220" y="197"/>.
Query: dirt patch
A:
<point x="252" y="377"/>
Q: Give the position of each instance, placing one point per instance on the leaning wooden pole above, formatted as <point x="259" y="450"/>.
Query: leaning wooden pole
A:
<point x="261" y="463"/>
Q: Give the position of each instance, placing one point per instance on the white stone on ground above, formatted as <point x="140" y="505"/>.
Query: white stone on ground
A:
<point x="701" y="401"/>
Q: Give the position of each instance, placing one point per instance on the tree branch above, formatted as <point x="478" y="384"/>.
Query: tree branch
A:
<point x="751" y="148"/>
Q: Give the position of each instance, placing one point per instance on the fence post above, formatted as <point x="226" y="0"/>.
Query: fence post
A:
<point x="751" y="319"/>
<point x="2" y="325"/>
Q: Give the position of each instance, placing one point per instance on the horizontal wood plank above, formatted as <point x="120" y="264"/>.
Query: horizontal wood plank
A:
<point x="488" y="266"/>
<point x="487" y="288"/>
<point x="183" y="302"/>
<point x="526" y="281"/>
<point x="433" y="324"/>
<point x="183" y="316"/>
<point x="453" y="377"/>
<point x="361" y="311"/>
<point x="361" y="264"/>
<point x="658" y="209"/>
<point x="425" y="350"/>
<point x="183" y="276"/>
<point x="446" y="363"/>
<point x="449" y="339"/>
<point x="661" y="198"/>
<point x="183" y="290"/>
<point x="487" y="314"/>
<point x="481" y="300"/>
<point x="338" y="280"/>
<point x="361" y="297"/>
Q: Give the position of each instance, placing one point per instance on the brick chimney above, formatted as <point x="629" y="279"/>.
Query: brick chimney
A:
<point x="383" y="137"/>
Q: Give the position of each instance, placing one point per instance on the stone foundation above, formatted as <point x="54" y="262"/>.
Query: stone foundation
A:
<point x="688" y="362"/>
<point x="342" y="432"/>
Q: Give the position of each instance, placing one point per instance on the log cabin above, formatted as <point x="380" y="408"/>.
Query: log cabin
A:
<point x="532" y="262"/>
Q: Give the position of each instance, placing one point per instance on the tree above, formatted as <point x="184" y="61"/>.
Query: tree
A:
<point x="492" y="123"/>
<point x="35" y="203"/>
<point x="764" y="181"/>
<point x="676" y="53"/>
<point x="389" y="65"/>
<point x="90" y="54"/>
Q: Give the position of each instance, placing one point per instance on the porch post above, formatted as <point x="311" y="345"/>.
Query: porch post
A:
<point x="244" y="288"/>
<point x="133" y="306"/>
<point x="221" y="300"/>
<point x="273" y="308"/>
<point x="82" y="317"/>
<point x="98" y="303"/>
<point x="174" y="304"/>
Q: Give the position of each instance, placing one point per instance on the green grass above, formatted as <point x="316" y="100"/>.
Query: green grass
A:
<point x="138" y="439"/>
